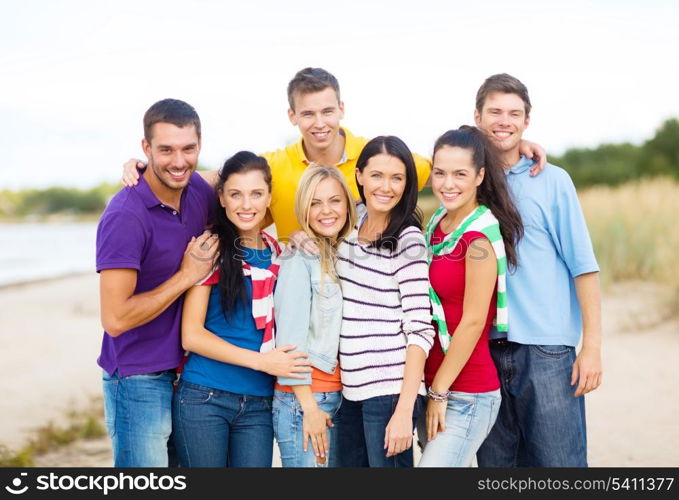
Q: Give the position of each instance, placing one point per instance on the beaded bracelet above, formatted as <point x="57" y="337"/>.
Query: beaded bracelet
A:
<point x="439" y="397"/>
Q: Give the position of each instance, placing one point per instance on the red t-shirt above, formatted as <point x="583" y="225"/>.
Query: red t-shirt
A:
<point x="447" y="277"/>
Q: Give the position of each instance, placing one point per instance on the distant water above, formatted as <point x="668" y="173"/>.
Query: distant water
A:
<point x="36" y="251"/>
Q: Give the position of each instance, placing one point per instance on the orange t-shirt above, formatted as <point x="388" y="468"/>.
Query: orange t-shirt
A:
<point x="320" y="381"/>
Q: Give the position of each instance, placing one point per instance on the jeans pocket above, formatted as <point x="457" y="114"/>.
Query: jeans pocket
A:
<point x="268" y="403"/>
<point x="329" y="402"/>
<point x="462" y="398"/>
<point x="194" y="395"/>
<point x="461" y="405"/>
<point x="494" y="410"/>
<point x="552" y="351"/>
<point x="148" y="376"/>
<point x="284" y="402"/>
<point x="339" y="404"/>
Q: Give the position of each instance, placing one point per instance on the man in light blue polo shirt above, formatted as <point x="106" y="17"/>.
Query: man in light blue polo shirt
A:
<point x="553" y="296"/>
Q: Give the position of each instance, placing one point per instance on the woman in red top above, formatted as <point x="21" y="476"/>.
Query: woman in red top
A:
<point x="473" y="238"/>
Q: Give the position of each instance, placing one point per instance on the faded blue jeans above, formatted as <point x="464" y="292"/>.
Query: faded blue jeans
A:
<point x="138" y="415"/>
<point x="541" y="423"/>
<point x="361" y="433"/>
<point x="288" y="420"/>
<point x="469" y="419"/>
<point x="215" y="428"/>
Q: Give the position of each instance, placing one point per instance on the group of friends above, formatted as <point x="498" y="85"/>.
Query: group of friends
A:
<point x="354" y="323"/>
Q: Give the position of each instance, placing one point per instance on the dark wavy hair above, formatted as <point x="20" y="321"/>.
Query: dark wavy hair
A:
<point x="231" y="282"/>
<point x="493" y="191"/>
<point x="405" y="213"/>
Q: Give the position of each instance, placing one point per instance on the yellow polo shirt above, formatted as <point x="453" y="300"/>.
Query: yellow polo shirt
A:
<point x="288" y="164"/>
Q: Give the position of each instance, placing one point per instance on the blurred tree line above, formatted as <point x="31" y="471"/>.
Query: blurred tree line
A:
<point x="613" y="164"/>
<point x="56" y="200"/>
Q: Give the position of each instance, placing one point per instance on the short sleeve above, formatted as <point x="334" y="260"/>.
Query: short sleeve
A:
<point x="212" y="279"/>
<point x="423" y="167"/>
<point x="121" y="241"/>
<point x="570" y="230"/>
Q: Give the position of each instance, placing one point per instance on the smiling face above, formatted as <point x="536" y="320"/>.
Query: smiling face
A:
<point x="172" y="154"/>
<point x="503" y="118"/>
<point x="329" y="208"/>
<point x="317" y="115"/>
<point x="454" y="179"/>
<point x="245" y="198"/>
<point x="383" y="180"/>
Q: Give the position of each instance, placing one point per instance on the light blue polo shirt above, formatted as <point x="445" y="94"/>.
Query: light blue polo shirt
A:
<point x="555" y="248"/>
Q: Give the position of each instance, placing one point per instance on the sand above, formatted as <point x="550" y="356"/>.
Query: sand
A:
<point x="50" y="334"/>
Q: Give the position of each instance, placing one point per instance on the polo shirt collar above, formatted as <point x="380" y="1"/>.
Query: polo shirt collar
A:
<point x="521" y="166"/>
<point x="144" y="190"/>
<point x="149" y="198"/>
<point x="351" y="148"/>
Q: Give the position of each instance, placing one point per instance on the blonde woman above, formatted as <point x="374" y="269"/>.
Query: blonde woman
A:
<point x="308" y="310"/>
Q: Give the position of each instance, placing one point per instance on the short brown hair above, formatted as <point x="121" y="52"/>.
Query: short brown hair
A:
<point x="172" y="111"/>
<point x="504" y="83"/>
<point x="309" y="80"/>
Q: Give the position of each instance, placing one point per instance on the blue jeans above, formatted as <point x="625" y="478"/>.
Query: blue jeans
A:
<point x="287" y="423"/>
<point x="541" y="423"/>
<point x="469" y="418"/>
<point x="361" y="434"/>
<point x="215" y="428"/>
<point x="138" y="415"/>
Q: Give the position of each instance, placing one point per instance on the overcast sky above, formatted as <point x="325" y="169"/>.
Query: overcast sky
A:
<point x="77" y="76"/>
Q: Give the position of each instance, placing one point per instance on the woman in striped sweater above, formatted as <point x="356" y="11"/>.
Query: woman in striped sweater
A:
<point x="472" y="237"/>
<point x="386" y="323"/>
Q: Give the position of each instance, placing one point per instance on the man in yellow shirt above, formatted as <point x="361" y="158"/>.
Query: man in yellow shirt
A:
<point x="316" y="109"/>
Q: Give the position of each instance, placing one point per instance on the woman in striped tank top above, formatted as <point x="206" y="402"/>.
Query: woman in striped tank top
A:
<point x="386" y="328"/>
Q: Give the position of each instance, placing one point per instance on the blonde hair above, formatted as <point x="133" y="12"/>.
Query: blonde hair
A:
<point x="312" y="177"/>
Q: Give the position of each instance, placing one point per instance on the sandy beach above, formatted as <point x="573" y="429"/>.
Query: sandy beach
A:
<point x="51" y="335"/>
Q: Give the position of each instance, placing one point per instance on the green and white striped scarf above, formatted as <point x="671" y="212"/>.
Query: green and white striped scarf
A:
<point x="483" y="221"/>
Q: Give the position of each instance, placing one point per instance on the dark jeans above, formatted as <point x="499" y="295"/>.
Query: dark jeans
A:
<point x="216" y="428"/>
<point x="361" y="432"/>
<point x="541" y="423"/>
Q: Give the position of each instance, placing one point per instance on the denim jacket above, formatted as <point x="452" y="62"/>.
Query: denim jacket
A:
<point x="308" y="314"/>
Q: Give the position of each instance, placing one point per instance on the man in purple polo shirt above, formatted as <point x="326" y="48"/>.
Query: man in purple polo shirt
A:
<point x="150" y="249"/>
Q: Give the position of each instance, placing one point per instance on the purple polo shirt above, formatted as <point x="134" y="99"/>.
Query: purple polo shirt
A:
<point x="136" y="231"/>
